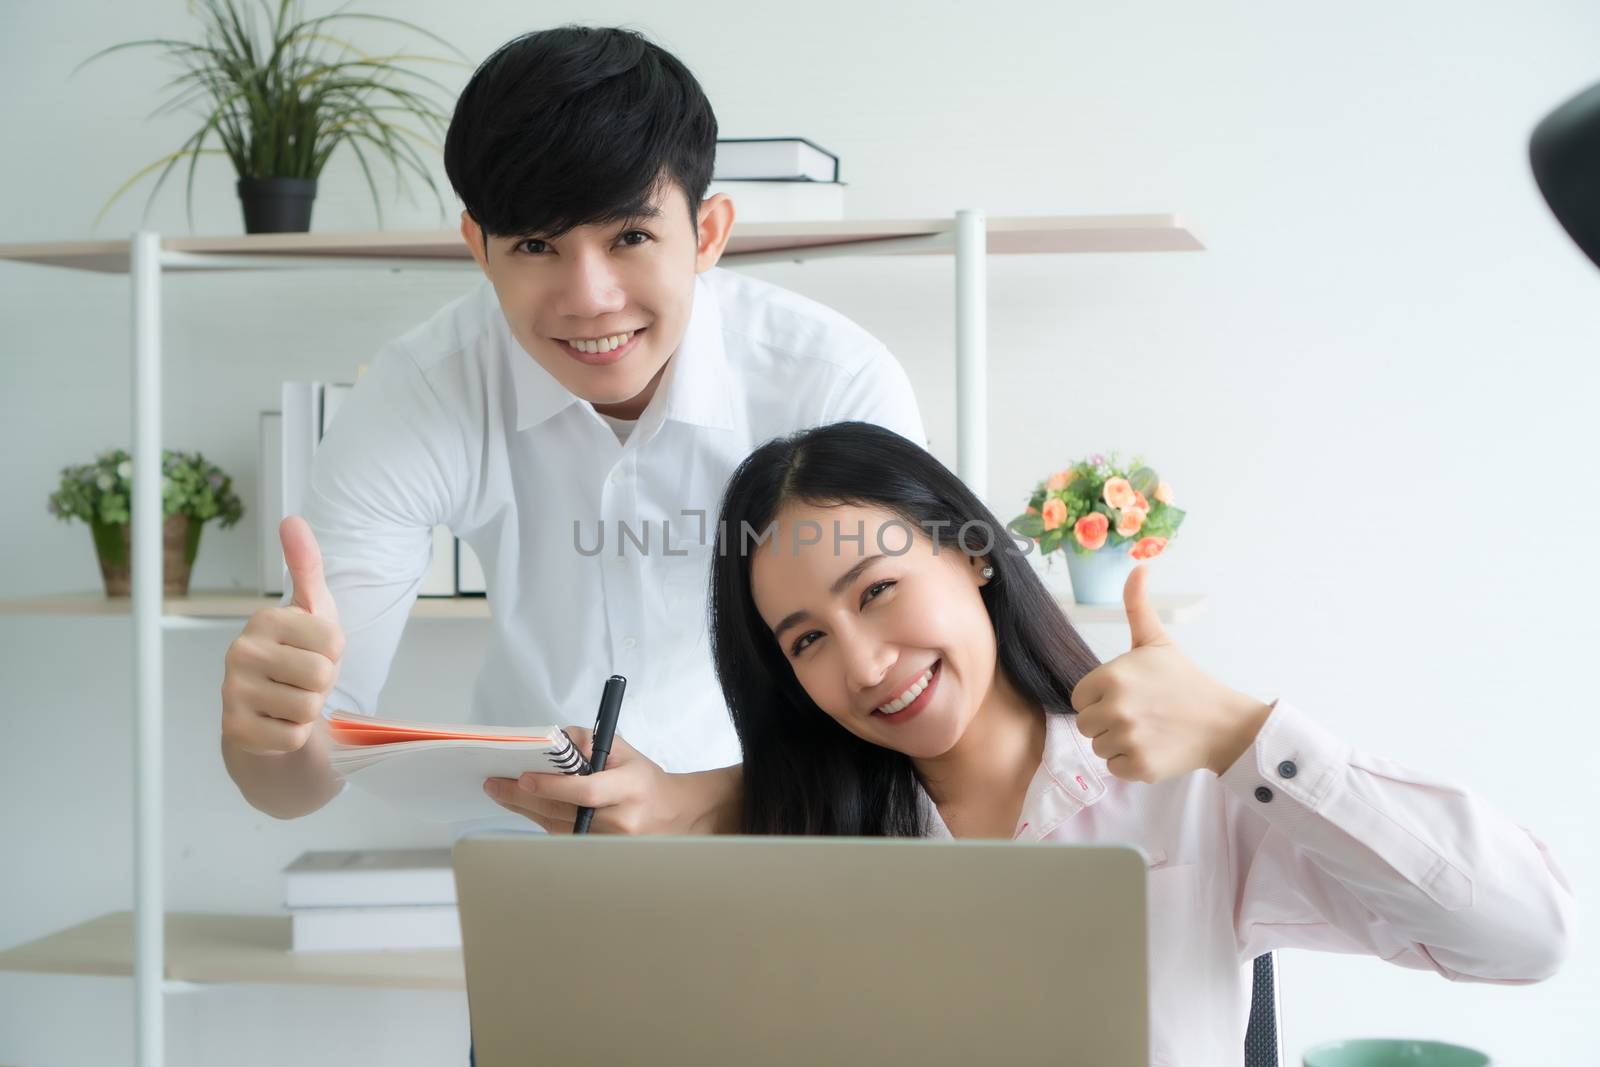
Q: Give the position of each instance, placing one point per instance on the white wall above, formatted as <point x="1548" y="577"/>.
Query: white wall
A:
<point x="1371" y="392"/>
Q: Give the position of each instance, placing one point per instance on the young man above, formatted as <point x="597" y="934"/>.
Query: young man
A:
<point x="597" y="390"/>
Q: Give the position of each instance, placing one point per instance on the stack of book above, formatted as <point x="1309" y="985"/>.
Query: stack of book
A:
<point x="289" y="440"/>
<point x="778" y="179"/>
<point x="372" y="900"/>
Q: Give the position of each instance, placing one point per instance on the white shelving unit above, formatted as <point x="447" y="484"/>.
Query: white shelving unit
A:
<point x="165" y="949"/>
<point x="203" y="607"/>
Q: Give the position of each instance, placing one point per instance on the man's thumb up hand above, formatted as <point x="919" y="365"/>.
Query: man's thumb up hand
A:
<point x="282" y="668"/>
<point x="304" y="558"/>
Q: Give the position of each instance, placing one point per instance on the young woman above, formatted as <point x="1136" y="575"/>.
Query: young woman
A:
<point x="894" y="666"/>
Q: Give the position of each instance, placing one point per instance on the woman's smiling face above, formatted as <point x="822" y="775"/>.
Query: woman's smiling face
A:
<point x="864" y="625"/>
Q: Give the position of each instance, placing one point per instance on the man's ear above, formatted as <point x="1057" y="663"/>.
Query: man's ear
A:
<point x="472" y="234"/>
<point x="716" y="226"/>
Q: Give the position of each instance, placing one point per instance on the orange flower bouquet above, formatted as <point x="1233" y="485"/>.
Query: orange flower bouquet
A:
<point x="1110" y="517"/>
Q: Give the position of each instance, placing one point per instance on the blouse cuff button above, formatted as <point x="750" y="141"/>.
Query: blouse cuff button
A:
<point x="1287" y="769"/>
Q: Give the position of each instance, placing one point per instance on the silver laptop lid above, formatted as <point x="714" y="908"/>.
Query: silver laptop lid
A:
<point x="760" y="950"/>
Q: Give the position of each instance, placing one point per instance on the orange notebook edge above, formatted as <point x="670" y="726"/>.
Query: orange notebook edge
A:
<point x="384" y="730"/>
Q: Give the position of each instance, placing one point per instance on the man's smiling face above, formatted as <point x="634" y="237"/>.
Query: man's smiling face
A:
<point x="603" y="307"/>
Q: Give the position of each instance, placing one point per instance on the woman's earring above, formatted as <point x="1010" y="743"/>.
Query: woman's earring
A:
<point x="987" y="572"/>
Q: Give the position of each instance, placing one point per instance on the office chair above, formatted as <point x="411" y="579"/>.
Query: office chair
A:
<point x="1263" y="1045"/>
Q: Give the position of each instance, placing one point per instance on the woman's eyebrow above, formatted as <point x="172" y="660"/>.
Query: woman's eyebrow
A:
<point x="835" y="589"/>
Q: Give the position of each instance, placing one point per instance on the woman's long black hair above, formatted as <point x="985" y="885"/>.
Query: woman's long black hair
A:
<point x="803" y="772"/>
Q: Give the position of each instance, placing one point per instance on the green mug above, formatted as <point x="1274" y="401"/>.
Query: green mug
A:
<point x="1393" y="1052"/>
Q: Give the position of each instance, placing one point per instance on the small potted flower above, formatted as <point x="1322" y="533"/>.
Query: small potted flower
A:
<point x="1106" y="518"/>
<point x="193" y="492"/>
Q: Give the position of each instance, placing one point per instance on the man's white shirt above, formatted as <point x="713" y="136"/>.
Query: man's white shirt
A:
<point x="455" y="424"/>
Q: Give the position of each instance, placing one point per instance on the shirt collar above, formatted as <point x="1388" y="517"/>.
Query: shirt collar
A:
<point x="1067" y="781"/>
<point x="698" y="386"/>
<point x="695" y="389"/>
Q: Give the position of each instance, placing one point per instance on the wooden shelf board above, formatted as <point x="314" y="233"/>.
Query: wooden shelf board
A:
<point x="1006" y="236"/>
<point x="231" y="948"/>
<point x="1172" y="607"/>
<point x="217" y="605"/>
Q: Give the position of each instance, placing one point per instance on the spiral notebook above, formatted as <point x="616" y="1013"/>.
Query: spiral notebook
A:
<point x="437" y="770"/>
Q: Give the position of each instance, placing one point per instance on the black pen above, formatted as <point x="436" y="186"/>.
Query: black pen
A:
<point x="605" y="728"/>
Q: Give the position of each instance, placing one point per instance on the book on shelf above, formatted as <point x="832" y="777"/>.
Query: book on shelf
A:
<point x="773" y="159"/>
<point x="441" y="576"/>
<point x="333" y="397"/>
<point x="269" y="502"/>
<point x="309" y="410"/>
<point x="469" y="572"/>
<point x="782" y="201"/>
<point x="302" y="429"/>
<point x="366" y="900"/>
<point x="367" y="878"/>
<point x="392" y="928"/>
<point x="436" y="770"/>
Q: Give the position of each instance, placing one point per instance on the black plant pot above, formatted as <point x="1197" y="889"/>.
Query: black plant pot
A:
<point x="277" y="205"/>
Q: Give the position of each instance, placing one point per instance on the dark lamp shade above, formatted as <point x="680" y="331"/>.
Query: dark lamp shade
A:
<point x="1565" y="152"/>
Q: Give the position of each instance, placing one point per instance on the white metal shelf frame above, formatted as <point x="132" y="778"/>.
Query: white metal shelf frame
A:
<point x="146" y="262"/>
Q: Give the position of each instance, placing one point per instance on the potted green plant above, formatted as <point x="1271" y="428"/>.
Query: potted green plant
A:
<point x="1105" y="517"/>
<point x="282" y="97"/>
<point x="193" y="492"/>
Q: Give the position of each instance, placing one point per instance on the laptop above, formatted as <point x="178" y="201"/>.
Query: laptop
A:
<point x="779" y="951"/>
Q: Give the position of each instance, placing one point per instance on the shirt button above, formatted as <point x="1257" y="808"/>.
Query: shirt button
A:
<point x="628" y="642"/>
<point x="1263" y="794"/>
<point x="617" y="476"/>
<point x="1287" y="769"/>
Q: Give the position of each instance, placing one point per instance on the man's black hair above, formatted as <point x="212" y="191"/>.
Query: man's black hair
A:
<point x="577" y="126"/>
